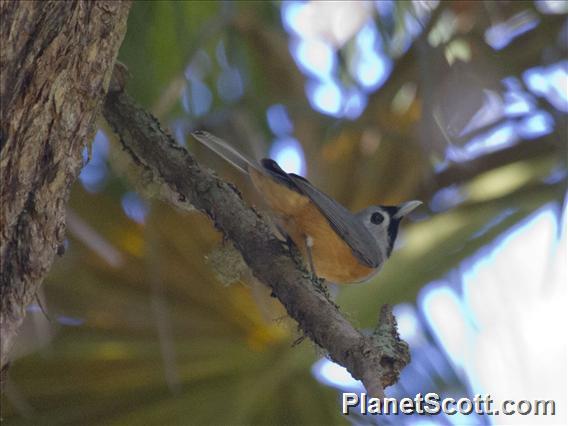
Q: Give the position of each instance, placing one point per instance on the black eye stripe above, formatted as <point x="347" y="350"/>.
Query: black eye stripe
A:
<point x="377" y="218"/>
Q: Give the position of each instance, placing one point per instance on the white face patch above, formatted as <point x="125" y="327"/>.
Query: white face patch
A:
<point x="377" y="222"/>
<point x="377" y="219"/>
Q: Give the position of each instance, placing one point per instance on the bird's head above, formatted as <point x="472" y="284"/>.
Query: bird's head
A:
<point x="383" y="221"/>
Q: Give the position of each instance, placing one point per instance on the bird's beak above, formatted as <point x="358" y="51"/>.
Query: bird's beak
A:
<point x="406" y="208"/>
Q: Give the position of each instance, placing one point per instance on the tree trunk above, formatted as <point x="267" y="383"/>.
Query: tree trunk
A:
<point x="56" y="62"/>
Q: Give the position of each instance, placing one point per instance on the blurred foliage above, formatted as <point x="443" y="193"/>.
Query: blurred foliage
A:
<point x="158" y="339"/>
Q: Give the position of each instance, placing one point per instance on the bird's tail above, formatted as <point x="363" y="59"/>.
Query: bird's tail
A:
<point x="222" y="148"/>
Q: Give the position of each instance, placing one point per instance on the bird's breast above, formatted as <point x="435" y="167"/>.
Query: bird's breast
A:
<point x="298" y="216"/>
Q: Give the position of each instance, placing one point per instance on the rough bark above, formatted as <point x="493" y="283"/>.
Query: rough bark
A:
<point x="376" y="360"/>
<point x="56" y="62"/>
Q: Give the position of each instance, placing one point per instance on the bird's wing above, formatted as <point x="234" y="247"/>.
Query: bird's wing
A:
<point x="345" y="224"/>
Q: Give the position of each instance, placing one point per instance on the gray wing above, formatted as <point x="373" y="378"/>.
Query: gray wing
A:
<point x="345" y="223"/>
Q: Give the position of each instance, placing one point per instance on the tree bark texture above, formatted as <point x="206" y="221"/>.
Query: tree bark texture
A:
<point x="56" y="62"/>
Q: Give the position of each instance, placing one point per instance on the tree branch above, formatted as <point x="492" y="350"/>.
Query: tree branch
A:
<point x="56" y="62"/>
<point x="189" y="185"/>
<point x="525" y="150"/>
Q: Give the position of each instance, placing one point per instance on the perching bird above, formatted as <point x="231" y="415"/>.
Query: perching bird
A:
<point x="340" y="246"/>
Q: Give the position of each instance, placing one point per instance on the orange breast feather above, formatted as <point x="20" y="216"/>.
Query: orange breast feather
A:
<point x="300" y="218"/>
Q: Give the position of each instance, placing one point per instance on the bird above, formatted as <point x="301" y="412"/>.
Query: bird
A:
<point x="340" y="246"/>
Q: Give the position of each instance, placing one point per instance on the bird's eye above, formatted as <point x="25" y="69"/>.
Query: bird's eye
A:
<point x="377" y="218"/>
